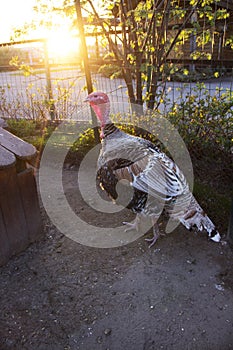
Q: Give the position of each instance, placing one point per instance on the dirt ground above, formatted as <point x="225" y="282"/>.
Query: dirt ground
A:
<point x="59" y="294"/>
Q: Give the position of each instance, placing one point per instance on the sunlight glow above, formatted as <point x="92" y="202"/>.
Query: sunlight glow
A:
<point x="62" y="43"/>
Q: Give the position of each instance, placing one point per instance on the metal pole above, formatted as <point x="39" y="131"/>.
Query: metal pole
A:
<point x="86" y="64"/>
<point x="48" y="80"/>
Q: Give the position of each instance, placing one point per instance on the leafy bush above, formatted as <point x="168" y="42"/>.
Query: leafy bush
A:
<point x="37" y="133"/>
<point x="110" y="71"/>
<point x="35" y="104"/>
<point x="23" y="128"/>
<point x="32" y="131"/>
<point x="84" y="143"/>
<point x="205" y="119"/>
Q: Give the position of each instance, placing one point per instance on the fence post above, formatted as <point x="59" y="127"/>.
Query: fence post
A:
<point x="86" y="64"/>
<point x="48" y="81"/>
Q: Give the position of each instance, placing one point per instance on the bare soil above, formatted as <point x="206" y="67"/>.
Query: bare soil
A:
<point x="59" y="294"/>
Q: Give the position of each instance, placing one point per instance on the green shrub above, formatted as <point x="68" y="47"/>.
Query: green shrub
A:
<point x="110" y="71"/>
<point x="33" y="131"/>
<point x="84" y="143"/>
<point x="22" y="128"/>
<point x="205" y="119"/>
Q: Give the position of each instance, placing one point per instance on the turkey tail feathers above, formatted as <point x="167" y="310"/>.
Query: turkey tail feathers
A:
<point x="195" y="216"/>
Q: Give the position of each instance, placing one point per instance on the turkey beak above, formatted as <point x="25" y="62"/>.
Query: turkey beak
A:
<point x="87" y="99"/>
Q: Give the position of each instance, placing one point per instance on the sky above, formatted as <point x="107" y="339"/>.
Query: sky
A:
<point x="13" y="13"/>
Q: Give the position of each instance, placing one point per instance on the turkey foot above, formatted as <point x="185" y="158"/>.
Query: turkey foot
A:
<point x="156" y="234"/>
<point x="134" y="225"/>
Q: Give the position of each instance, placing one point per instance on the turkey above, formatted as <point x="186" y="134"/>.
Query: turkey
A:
<point x="157" y="182"/>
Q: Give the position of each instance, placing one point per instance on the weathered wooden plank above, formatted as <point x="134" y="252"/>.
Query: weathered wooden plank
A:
<point x="28" y="190"/>
<point x="20" y="148"/>
<point x="12" y="211"/>
<point x="4" y="243"/>
<point x="7" y="158"/>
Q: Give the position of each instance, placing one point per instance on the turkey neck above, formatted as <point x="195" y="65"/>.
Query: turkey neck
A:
<point x="108" y="129"/>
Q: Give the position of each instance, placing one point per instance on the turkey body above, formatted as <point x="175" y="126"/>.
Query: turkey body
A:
<point x="156" y="181"/>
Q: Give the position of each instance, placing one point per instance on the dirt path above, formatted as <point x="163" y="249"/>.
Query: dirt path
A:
<point x="62" y="295"/>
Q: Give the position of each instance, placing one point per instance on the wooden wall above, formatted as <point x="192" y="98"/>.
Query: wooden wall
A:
<point x="20" y="218"/>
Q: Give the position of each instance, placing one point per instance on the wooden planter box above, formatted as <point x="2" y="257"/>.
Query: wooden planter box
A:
<point x="20" y="218"/>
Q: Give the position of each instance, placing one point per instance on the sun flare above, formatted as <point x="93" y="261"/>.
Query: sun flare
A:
<point x="62" y="43"/>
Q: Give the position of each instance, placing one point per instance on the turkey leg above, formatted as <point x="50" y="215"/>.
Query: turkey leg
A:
<point x="134" y="225"/>
<point x="156" y="233"/>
